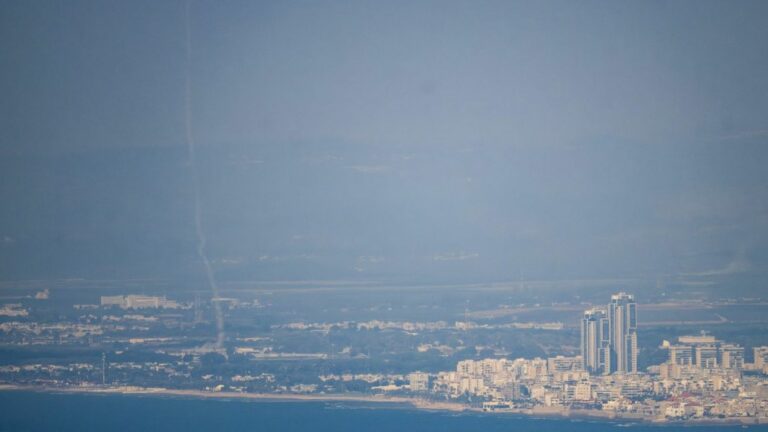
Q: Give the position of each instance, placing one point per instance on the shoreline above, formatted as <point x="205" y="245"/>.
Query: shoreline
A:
<point x="539" y="412"/>
<point x="265" y="397"/>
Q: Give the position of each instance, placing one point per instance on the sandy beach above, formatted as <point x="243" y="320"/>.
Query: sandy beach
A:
<point x="267" y="397"/>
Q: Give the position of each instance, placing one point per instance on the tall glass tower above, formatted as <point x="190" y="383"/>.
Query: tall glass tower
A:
<point x="622" y="322"/>
<point x="595" y="341"/>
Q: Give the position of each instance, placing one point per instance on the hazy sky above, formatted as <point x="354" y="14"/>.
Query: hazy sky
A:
<point x="418" y="140"/>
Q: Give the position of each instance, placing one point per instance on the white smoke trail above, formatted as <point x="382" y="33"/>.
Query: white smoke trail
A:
<point x="201" y="238"/>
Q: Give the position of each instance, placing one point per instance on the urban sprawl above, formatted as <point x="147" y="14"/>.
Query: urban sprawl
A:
<point x="703" y="379"/>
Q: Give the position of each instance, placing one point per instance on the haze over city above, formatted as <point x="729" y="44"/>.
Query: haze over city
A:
<point x="426" y="141"/>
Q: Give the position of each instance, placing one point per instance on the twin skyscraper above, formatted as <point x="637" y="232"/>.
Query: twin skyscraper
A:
<point x="609" y="337"/>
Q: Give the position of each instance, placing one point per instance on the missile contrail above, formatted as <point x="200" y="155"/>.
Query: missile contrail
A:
<point x="200" y="233"/>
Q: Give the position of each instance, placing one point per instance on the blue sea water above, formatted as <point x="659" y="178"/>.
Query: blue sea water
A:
<point x="30" y="411"/>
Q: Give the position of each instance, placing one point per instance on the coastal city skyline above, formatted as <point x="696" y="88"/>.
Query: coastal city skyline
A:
<point x="697" y="373"/>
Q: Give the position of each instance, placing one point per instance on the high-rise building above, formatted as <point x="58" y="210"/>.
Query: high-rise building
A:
<point x="418" y="381"/>
<point x="732" y="356"/>
<point x="595" y="341"/>
<point x="706" y="356"/>
<point x="706" y="352"/>
<point x="761" y="356"/>
<point x="681" y="355"/>
<point x="609" y="337"/>
<point x="622" y="323"/>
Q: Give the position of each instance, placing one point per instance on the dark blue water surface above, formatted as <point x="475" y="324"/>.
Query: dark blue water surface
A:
<point x="29" y="411"/>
